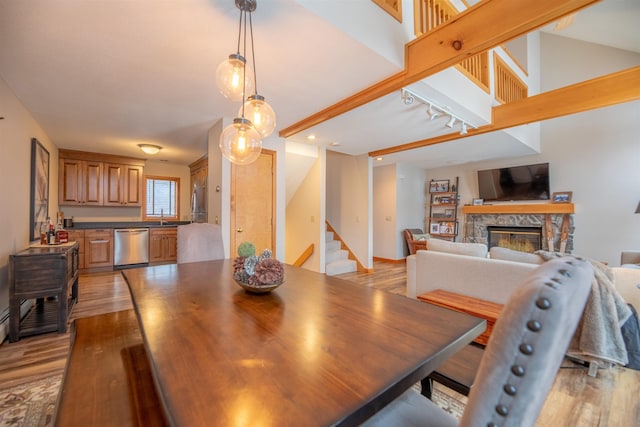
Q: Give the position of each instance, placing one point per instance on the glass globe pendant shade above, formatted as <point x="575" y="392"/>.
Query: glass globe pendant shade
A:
<point x="240" y="142"/>
<point x="260" y="114"/>
<point x="230" y="75"/>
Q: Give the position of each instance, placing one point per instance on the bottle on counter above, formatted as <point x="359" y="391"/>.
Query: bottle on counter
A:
<point x="51" y="235"/>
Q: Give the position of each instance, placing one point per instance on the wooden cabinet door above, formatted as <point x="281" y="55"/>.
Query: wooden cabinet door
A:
<point x="132" y="185"/>
<point x="156" y="238"/>
<point x="98" y="248"/>
<point x="70" y="182"/>
<point x="113" y="184"/>
<point x="171" y="245"/>
<point x="79" y="182"/>
<point x="92" y="183"/>
<point x="122" y="185"/>
<point x="163" y="244"/>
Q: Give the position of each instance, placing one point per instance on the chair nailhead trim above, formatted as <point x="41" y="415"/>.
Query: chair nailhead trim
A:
<point x="492" y="425"/>
<point x="534" y="325"/>
<point x="510" y="389"/>
<point x="551" y="285"/>
<point x="543" y="303"/>
<point x="502" y="410"/>
<point x="517" y="370"/>
<point x="526" y="349"/>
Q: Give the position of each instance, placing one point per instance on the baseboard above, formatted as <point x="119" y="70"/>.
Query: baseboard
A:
<point x="395" y="261"/>
<point x="4" y="318"/>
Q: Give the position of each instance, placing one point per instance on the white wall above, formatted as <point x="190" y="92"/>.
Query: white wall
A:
<point x="412" y="197"/>
<point x="349" y="183"/>
<point x="305" y="219"/>
<point x="16" y="130"/>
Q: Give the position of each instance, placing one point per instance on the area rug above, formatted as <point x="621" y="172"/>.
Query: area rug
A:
<point x="30" y="404"/>
<point x="449" y="400"/>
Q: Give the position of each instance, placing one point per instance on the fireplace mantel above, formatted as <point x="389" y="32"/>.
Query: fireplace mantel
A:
<point x="532" y="208"/>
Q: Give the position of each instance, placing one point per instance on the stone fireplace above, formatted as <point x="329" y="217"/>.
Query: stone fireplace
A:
<point x="524" y="218"/>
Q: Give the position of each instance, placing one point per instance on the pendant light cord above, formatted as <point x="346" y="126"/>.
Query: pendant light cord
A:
<point x="253" y="59"/>
<point x="244" y="69"/>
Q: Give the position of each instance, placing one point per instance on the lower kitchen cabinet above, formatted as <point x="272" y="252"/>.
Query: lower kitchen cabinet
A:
<point x="163" y="245"/>
<point x="98" y="246"/>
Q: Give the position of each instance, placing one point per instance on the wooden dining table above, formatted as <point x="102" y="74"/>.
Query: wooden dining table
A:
<point x="316" y="351"/>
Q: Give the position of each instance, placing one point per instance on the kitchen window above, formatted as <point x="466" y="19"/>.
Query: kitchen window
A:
<point x="162" y="195"/>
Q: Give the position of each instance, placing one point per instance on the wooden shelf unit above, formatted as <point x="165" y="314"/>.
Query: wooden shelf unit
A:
<point x="436" y="207"/>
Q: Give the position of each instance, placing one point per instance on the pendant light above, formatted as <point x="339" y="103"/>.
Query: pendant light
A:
<point x="241" y="142"/>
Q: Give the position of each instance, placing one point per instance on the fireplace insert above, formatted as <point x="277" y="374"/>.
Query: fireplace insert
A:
<point x="523" y="239"/>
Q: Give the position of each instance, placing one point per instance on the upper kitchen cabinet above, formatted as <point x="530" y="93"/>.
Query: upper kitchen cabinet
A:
<point x="122" y="185"/>
<point x="80" y="182"/>
<point x="94" y="179"/>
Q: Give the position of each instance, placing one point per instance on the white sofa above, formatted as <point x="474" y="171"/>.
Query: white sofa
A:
<point x="487" y="278"/>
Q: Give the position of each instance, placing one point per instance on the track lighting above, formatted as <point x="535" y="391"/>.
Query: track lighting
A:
<point x="434" y="111"/>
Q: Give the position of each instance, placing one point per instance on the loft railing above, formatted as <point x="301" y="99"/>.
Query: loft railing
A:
<point x="508" y="86"/>
<point x="431" y="13"/>
<point x="304" y="256"/>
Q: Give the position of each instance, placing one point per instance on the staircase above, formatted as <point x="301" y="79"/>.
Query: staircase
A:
<point x="337" y="259"/>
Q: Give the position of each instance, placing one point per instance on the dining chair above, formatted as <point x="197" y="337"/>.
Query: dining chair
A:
<point x="199" y="242"/>
<point x="521" y="359"/>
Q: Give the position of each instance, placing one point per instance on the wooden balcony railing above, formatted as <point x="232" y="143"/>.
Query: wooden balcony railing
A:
<point x="508" y="86"/>
<point x="431" y="13"/>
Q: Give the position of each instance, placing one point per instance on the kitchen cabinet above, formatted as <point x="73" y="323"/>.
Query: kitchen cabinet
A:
<point x="163" y="245"/>
<point x="122" y="185"/>
<point x="48" y="274"/>
<point x="78" y="236"/>
<point x="80" y="182"/>
<point x="98" y="246"/>
<point x="94" y="179"/>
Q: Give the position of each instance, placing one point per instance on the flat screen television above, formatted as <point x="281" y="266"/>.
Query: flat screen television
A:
<point x="526" y="182"/>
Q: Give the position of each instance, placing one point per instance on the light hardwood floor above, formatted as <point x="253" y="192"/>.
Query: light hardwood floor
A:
<point x="609" y="400"/>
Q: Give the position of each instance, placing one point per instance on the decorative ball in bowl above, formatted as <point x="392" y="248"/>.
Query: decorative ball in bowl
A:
<point x="257" y="274"/>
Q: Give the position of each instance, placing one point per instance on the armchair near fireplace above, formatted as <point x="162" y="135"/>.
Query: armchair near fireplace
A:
<point x="416" y="239"/>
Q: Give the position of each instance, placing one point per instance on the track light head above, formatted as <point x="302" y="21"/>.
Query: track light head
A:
<point x="464" y="131"/>
<point x="451" y="122"/>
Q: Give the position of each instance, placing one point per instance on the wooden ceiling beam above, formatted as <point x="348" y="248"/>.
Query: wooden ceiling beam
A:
<point x="481" y="27"/>
<point x="616" y="88"/>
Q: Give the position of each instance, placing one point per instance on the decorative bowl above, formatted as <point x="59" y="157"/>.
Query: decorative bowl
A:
<point x="258" y="289"/>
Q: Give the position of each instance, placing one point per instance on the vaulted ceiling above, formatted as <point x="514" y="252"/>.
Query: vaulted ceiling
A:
<point x="104" y="76"/>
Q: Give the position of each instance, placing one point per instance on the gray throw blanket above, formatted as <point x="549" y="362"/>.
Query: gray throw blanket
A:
<point x="598" y="337"/>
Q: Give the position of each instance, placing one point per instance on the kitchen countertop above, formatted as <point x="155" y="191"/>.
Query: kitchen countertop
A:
<point x="77" y="225"/>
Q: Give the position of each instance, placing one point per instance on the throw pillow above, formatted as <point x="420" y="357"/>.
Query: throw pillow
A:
<point x="507" y="254"/>
<point x="420" y="236"/>
<point x="470" y="249"/>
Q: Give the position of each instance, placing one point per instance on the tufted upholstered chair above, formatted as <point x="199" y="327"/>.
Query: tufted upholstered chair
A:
<point x="414" y="245"/>
<point x="199" y="242"/>
<point x="521" y="359"/>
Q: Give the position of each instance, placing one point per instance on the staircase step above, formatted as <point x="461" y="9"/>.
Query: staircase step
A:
<point x="336" y="256"/>
<point x="340" y="267"/>
<point x="328" y="235"/>
<point x="332" y="246"/>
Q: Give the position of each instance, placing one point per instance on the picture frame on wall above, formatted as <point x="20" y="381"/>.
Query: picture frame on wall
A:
<point x="39" y="212"/>
<point x="438" y="186"/>
<point x="562" y="197"/>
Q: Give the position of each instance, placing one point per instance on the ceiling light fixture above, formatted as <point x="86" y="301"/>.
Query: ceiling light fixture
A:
<point x="241" y="141"/>
<point x="150" y="148"/>
<point x="434" y="111"/>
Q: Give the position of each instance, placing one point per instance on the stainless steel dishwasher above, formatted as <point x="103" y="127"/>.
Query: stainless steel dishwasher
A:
<point x="131" y="246"/>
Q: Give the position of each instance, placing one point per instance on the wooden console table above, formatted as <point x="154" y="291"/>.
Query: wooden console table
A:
<point x="48" y="274"/>
<point x="483" y="309"/>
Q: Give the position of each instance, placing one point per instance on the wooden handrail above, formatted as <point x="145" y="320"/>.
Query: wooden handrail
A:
<point x="304" y="256"/>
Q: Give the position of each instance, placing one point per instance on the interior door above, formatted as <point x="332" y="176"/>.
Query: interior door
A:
<point x="253" y="203"/>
